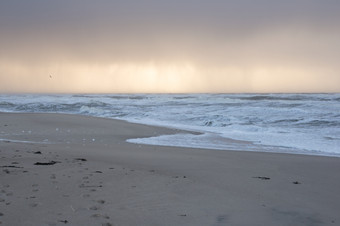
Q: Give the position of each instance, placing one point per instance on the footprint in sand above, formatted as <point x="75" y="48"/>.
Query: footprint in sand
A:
<point x="31" y="197"/>
<point x="101" y="201"/>
<point x="94" y="208"/>
<point x="97" y="215"/>
<point x="107" y="224"/>
<point x="86" y="195"/>
<point x="33" y="204"/>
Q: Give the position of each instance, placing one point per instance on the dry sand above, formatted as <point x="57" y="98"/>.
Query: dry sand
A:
<point x="76" y="170"/>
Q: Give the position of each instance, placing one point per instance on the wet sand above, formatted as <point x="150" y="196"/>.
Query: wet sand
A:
<point x="74" y="170"/>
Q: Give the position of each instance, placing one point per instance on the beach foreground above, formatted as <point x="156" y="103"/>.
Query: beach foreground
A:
<point x="65" y="169"/>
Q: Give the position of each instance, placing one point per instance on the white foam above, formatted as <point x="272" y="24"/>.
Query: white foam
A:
<point x="210" y="141"/>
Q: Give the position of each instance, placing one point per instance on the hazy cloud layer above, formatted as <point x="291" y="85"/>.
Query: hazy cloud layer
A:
<point x="170" y="46"/>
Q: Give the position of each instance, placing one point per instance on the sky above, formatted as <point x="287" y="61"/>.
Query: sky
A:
<point x="169" y="46"/>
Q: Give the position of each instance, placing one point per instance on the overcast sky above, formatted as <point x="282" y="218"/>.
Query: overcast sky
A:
<point x="169" y="46"/>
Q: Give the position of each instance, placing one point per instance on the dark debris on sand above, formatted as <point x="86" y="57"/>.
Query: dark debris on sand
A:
<point x="263" y="178"/>
<point x="296" y="182"/>
<point x="10" y="166"/>
<point x="81" y="159"/>
<point x="46" y="163"/>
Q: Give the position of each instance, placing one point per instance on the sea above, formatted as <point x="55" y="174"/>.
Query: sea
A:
<point x="284" y="123"/>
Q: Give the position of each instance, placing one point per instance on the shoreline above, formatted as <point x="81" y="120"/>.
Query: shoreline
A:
<point x="90" y="175"/>
<point x="175" y="131"/>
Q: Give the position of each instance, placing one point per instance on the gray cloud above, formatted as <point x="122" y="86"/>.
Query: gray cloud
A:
<point x="211" y="34"/>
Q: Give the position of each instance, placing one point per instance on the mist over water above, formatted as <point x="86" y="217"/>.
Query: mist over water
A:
<point x="288" y="123"/>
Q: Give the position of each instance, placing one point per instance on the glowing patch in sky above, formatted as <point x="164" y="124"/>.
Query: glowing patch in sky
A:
<point x="152" y="77"/>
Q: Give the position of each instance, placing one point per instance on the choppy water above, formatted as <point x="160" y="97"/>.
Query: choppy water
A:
<point x="294" y="123"/>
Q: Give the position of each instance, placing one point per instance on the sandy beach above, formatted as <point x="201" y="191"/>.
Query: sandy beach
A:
<point x="75" y="170"/>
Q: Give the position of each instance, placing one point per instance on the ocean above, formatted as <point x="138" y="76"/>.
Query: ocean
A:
<point x="285" y="123"/>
